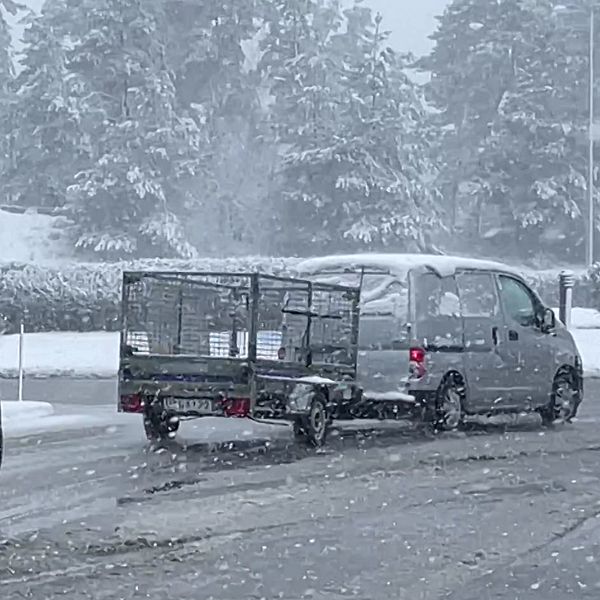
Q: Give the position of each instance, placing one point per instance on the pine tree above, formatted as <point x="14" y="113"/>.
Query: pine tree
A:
<point x="47" y="135"/>
<point x="360" y="167"/>
<point x="471" y="65"/>
<point x="533" y="151"/>
<point x="211" y="49"/>
<point x="7" y="98"/>
<point x="510" y="90"/>
<point x="206" y="48"/>
<point x="297" y="63"/>
<point x="388" y="196"/>
<point x="129" y="199"/>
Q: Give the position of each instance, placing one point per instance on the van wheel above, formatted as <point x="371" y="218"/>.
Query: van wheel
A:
<point x="160" y="426"/>
<point x="449" y="404"/>
<point x="564" y="400"/>
<point x="313" y="427"/>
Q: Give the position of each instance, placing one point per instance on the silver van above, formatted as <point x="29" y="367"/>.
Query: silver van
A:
<point x="443" y="337"/>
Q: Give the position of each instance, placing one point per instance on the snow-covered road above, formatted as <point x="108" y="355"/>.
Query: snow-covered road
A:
<point x="90" y="513"/>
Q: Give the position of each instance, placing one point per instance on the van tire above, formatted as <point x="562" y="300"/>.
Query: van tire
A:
<point x="449" y="403"/>
<point x="564" y="400"/>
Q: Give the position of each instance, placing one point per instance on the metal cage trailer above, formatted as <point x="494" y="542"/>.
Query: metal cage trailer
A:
<point x="237" y="345"/>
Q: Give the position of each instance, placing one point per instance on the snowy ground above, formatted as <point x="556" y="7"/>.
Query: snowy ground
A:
<point x="96" y="354"/>
<point x="492" y="513"/>
<point x="62" y="354"/>
<point x="20" y="419"/>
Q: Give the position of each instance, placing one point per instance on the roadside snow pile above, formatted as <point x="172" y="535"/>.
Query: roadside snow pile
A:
<point x="92" y="355"/>
<point x="584" y="318"/>
<point x="25" y="411"/>
<point x="31" y="418"/>
<point x="588" y="343"/>
<point x="585" y="328"/>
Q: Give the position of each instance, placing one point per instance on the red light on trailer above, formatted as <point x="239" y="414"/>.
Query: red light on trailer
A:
<point x="236" y="407"/>
<point x="132" y="403"/>
<point x="417" y="355"/>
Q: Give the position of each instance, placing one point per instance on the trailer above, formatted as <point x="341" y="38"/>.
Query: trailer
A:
<point x="245" y="345"/>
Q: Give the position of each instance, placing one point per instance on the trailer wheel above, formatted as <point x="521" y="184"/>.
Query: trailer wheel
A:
<point x="160" y="426"/>
<point x="313" y="427"/>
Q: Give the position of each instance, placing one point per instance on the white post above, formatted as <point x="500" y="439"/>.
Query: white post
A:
<point x="566" y="281"/>
<point x="21" y="340"/>
<point x="590" y="219"/>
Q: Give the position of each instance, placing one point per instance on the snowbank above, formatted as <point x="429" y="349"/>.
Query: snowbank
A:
<point x="31" y="418"/>
<point x="96" y="354"/>
<point x="583" y="318"/>
<point x="25" y="411"/>
<point x="57" y="354"/>
<point x="588" y="342"/>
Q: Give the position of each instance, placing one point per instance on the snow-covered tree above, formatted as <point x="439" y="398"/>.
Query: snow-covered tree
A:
<point x="356" y="171"/>
<point x="386" y="179"/>
<point x="130" y="197"/>
<point x="205" y="46"/>
<point x="213" y="48"/>
<point x="47" y="137"/>
<point x="509" y="81"/>
<point x="7" y="99"/>
<point x="297" y="63"/>
<point x="533" y="153"/>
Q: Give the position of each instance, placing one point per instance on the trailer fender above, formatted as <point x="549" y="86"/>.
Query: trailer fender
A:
<point x="302" y="394"/>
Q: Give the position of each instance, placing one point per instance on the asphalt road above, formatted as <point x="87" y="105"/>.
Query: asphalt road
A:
<point x="502" y="512"/>
<point x="64" y="391"/>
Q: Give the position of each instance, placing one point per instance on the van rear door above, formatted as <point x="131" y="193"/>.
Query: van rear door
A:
<point x="383" y="341"/>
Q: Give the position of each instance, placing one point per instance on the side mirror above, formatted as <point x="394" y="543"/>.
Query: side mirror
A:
<point x="548" y="321"/>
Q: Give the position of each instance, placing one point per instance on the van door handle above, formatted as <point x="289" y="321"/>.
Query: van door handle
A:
<point x="513" y="336"/>
<point x="495" y="335"/>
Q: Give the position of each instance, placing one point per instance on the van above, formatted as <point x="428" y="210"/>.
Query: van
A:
<point x="446" y="337"/>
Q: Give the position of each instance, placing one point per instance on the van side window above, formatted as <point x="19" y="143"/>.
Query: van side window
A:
<point x="436" y="296"/>
<point x="517" y="301"/>
<point x="437" y="310"/>
<point x="477" y="293"/>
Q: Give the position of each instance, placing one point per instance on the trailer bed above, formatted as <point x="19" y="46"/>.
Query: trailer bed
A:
<point x="233" y="344"/>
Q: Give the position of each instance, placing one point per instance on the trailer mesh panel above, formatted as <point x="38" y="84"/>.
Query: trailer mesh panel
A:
<point x="213" y="315"/>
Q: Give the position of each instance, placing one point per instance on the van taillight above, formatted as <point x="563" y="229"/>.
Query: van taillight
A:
<point x="417" y="362"/>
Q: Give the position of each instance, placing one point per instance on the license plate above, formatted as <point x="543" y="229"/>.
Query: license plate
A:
<point x="202" y="406"/>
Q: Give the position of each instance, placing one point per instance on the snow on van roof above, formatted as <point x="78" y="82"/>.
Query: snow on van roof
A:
<point x="400" y="264"/>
